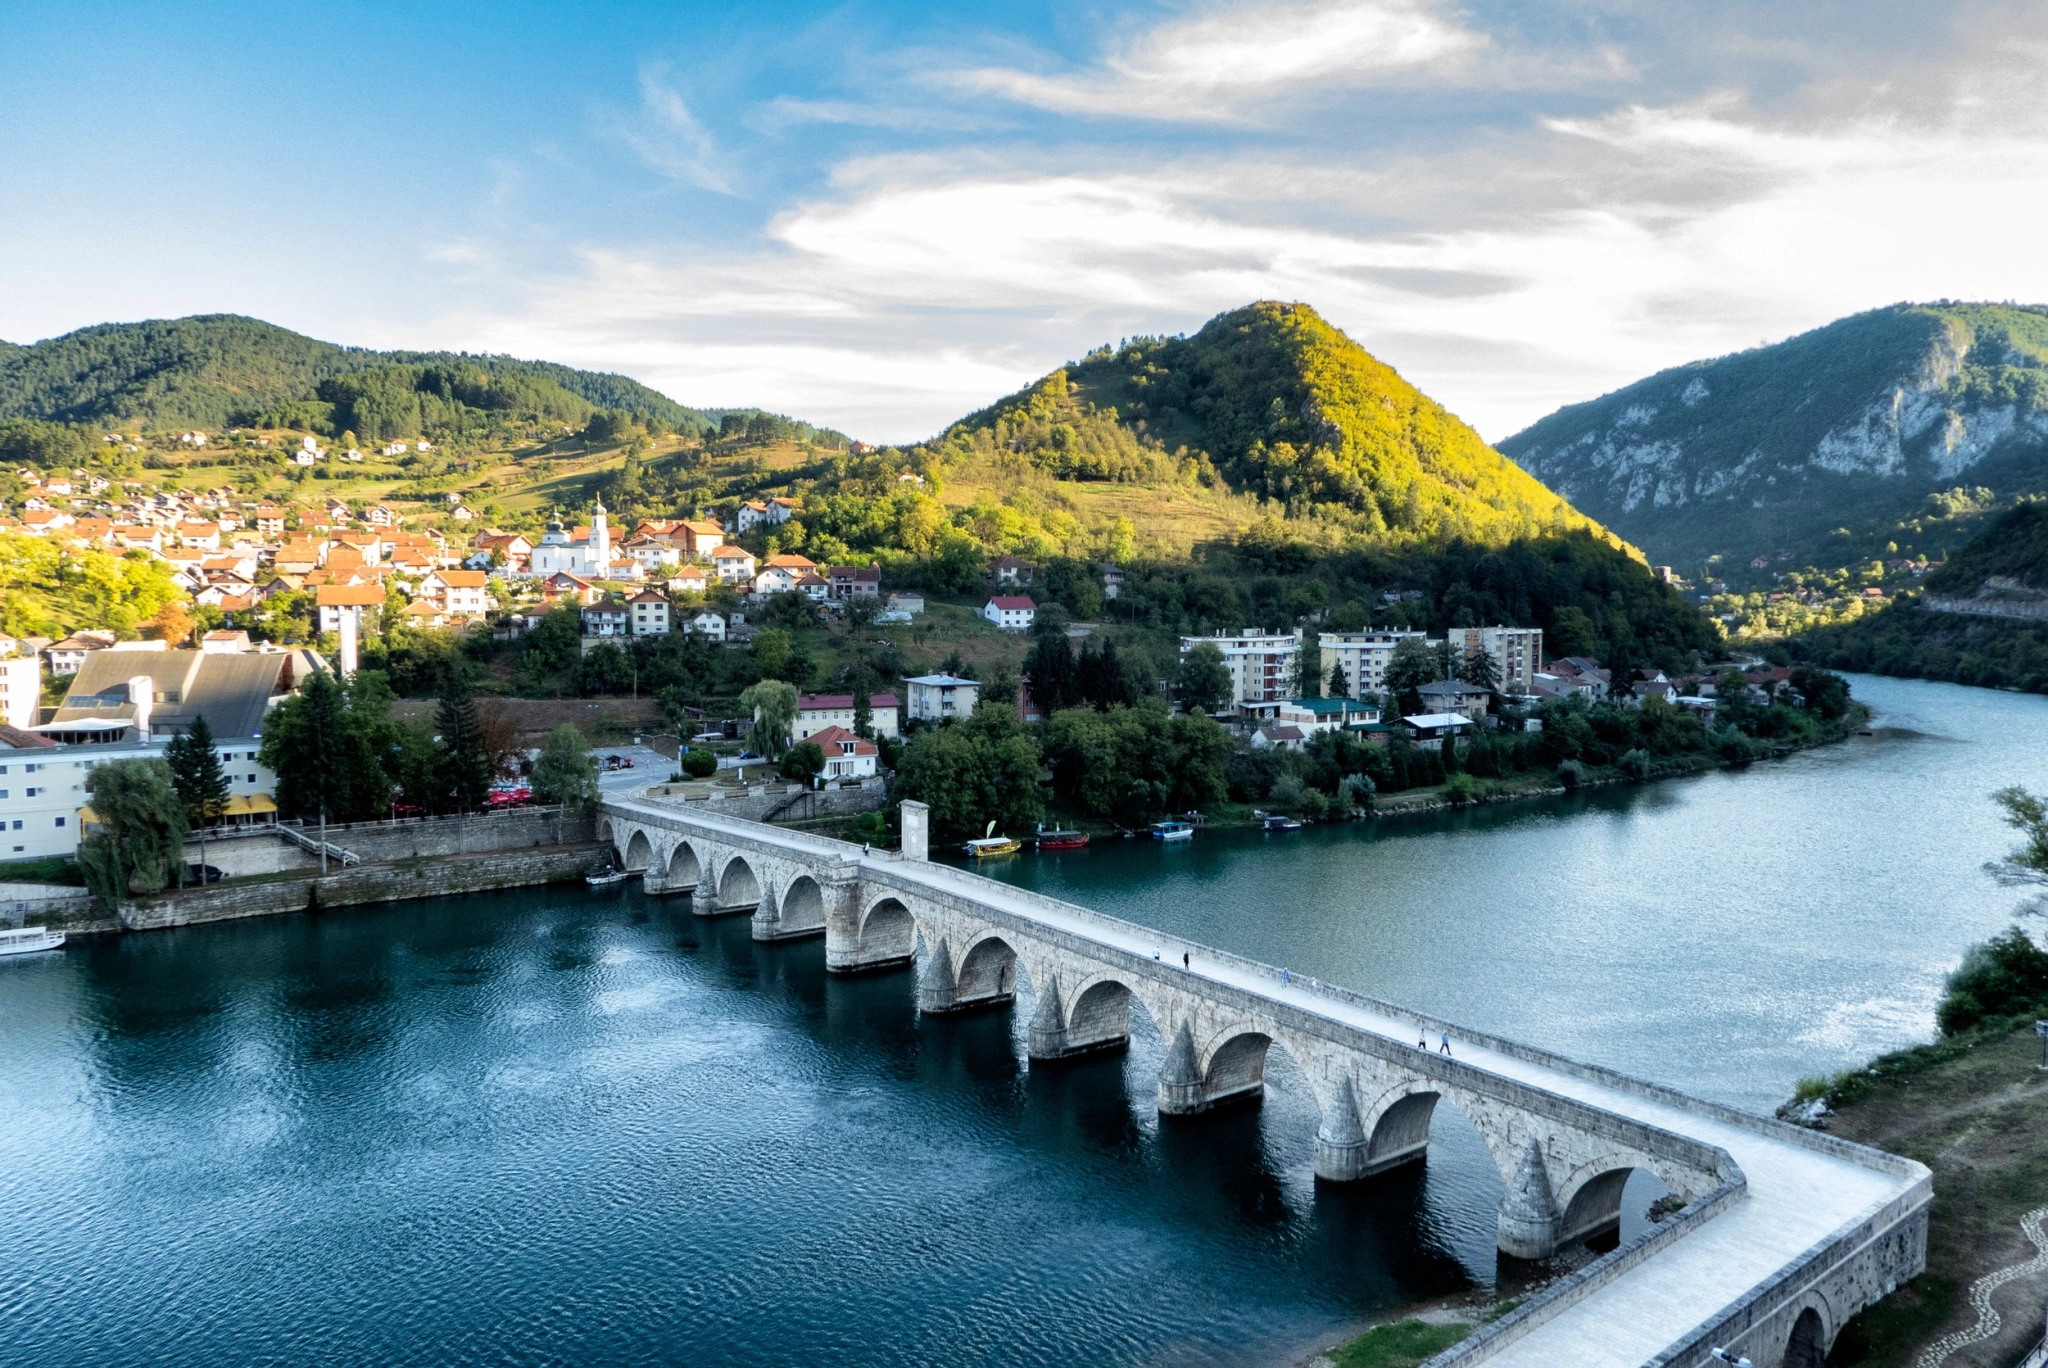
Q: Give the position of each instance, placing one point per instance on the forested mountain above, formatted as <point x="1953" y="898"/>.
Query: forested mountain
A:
<point x="222" y="370"/>
<point x="1827" y="446"/>
<point x="1278" y="403"/>
<point x="1981" y="619"/>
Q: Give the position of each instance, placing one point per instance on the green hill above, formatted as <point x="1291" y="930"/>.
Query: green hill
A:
<point x="1274" y="402"/>
<point x="220" y="370"/>
<point x="1833" y="447"/>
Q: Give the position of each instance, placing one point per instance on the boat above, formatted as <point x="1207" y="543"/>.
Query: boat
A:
<point x="1062" y="840"/>
<point x="1173" y="831"/>
<point x="605" y="878"/>
<point x="982" y="847"/>
<point x="27" y="940"/>
<point x="1277" y="822"/>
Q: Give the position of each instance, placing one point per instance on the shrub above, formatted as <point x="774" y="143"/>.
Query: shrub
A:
<point x="2004" y="976"/>
<point x="699" y="764"/>
<point x="803" y="762"/>
<point x="1461" y="789"/>
<point x="1635" y="764"/>
<point x="1571" y="774"/>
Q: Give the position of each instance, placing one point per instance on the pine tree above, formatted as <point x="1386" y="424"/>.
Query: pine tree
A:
<point x="466" y="770"/>
<point x="1340" y="683"/>
<point x="1481" y="670"/>
<point x="196" y="774"/>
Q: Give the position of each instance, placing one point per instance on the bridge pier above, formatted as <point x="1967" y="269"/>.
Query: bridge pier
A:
<point x="1343" y="1154"/>
<point x="986" y="977"/>
<point x="1529" y="1220"/>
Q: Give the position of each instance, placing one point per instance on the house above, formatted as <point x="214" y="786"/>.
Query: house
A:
<point x="1112" y="581"/>
<point x="815" y="712"/>
<point x="708" y="623"/>
<point x="775" y="579"/>
<point x="908" y="604"/>
<point x="332" y="600"/>
<point x="224" y="642"/>
<point x="1014" y="570"/>
<point x="855" y="581"/>
<point x="458" y="593"/>
<point x="1279" y="737"/>
<point x="395" y="448"/>
<point x="650" y="613"/>
<point x="847" y="756"/>
<point x="269" y="520"/>
<point x="700" y="536"/>
<point x="563" y="585"/>
<point x="200" y="536"/>
<point x="21" y="690"/>
<point x="462" y="513"/>
<point x="939" y="697"/>
<point x="814" y="586"/>
<point x="652" y="553"/>
<point x="1011" y="612"/>
<point x="1454" y="696"/>
<point x="1428" y="730"/>
<point x="689" y="580"/>
<point x="733" y="564"/>
<point x="1312" y="715"/>
<point x="1569" y="675"/>
<point x="605" y="618"/>
<point x="1261" y="664"/>
<point x="765" y="513"/>
<point x="425" y="613"/>
<point x="512" y="549"/>
<point x="68" y="656"/>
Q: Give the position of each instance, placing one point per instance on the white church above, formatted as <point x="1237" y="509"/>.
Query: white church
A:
<point x="586" y="557"/>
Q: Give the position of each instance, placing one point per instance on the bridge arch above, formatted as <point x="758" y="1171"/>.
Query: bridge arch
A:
<point x="1808" y="1345"/>
<point x="1591" y="1201"/>
<point x="604" y="830"/>
<point x="684" y="868"/>
<point x="987" y="973"/>
<point x="802" y="905"/>
<point x="738" y="887"/>
<point x="639" y="852"/>
<point x="884" y="937"/>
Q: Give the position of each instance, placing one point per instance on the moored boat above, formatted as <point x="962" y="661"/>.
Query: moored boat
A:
<point x="982" y="847"/>
<point x="1277" y="822"/>
<point x="1062" y="840"/>
<point x="1173" y="831"/>
<point x="27" y="940"/>
<point x="605" y="878"/>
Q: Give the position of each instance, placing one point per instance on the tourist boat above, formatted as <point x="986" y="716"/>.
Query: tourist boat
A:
<point x="605" y="878"/>
<point x="1276" y="822"/>
<point x="1173" y="831"/>
<point x="27" y="940"/>
<point x="982" y="847"/>
<point x="1062" y="840"/>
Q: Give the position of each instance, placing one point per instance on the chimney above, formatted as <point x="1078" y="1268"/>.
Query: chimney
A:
<point x="142" y="693"/>
<point x="348" y="642"/>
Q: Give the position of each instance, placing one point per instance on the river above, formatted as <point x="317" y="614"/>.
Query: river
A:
<point x="562" y="1127"/>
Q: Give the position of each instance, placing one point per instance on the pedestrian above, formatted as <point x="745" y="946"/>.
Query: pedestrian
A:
<point x="1155" y="954"/>
<point x="1446" y="1046"/>
<point x="1285" y="978"/>
<point x="863" y="847"/>
<point x="1185" y="962"/>
<point x="1315" y="987"/>
<point x="1422" y="1041"/>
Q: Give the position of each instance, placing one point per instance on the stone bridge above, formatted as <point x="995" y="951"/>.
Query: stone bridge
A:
<point x="1784" y="1233"/>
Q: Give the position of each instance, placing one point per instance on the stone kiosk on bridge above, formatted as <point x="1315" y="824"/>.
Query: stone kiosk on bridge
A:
<point x="1784" y="1235"/>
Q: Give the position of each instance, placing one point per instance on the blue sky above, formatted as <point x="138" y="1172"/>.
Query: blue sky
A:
<point x="882" y="215"/>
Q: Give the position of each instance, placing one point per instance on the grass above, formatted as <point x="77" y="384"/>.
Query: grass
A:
<point x="54" y="869"/>
<point x="1404" y="1344"/>
<point x="1974" y="1109"/>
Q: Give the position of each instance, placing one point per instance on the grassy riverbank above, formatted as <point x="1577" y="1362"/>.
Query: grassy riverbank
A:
<point x="1974" y="1109"/>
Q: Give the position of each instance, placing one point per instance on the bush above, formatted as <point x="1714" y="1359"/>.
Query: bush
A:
<point x="699" y="764"/>
<point x="2004" y="976"/>
<point x="1571" y="774"/>
<point x="803" y="762"/>
<point x="1461" y="789"/>
<point x="1635" y="764"/>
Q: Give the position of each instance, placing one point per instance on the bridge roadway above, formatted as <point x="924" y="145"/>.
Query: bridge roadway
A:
<point x="1785" y="1234"/>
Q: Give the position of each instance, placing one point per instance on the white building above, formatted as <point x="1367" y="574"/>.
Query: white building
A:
<point x="458" y="593"/>
<point x="21" y="690"/>
<point x="816" y="712"/>
<point x="939" y="697"/>
<point x="710" y="623"/>
<point x="1364" y="656"/>
<point x="765" y="513"/>
<point x="1011" y="612"/>
<point x="650" y="613"/>
<point x="847" y="755"/>
<point x="1261" y="666"/>
<point x="1517" y="653"/>
<point x="733" y="564"/>
<point x="586" y="557"/>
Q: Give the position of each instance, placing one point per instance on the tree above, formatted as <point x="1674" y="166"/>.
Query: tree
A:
<point x="1481" y="670"/>
<point x="2028" y="815"/>
<point x="1202" y="683"/>
<point x="326" y="751"/>
<point x="699" y="764"/>
<point x="980" y="770"/>
<point x="566" y="771"/>
<point x="138" y="845"/>
<point x="1412" y="665"/>
<point x="196" y="774"/>
<point x="1340" y="683"/>
<point x="1124" y="760"/>
<point x="803" y="762"/>
<point x="1054" y="673"/>
<point x="773" y="704"/>
<point x="173" y="624"/>
<point x="466" y="769"/>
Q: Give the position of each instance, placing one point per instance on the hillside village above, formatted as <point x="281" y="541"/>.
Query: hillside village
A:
<point x="274" y="594"/>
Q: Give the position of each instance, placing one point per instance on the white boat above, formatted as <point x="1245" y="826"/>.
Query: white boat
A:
<point x="605" y="878"/>
<point x="1173" y="831"/>
<point x="29" y="939"/>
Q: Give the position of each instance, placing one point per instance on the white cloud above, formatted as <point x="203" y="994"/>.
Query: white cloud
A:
<point x="668" y="137"/>
<point x="1209" y="64"/>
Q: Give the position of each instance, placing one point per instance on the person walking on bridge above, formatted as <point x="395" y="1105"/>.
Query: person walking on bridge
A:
<point x="1445" y="1048"/>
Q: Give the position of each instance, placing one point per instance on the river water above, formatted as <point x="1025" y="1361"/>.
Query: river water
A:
<point x="563" y="1127"/>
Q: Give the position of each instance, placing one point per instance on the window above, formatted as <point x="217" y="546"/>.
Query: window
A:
<point x="30" y="793"/>
<point x="17" y="827"/>
<point x="60" y="821"/>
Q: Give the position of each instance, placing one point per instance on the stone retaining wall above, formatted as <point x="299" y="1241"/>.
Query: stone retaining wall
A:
<point x="392" y="882"/>
<point x="520" y="828"/>
<point x="766" y="798"/>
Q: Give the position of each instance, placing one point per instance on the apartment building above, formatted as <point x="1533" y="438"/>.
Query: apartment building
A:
<point x="1364" y="656"/>
<point x="1261" y="666"/>
<point x="1517" y="653"/>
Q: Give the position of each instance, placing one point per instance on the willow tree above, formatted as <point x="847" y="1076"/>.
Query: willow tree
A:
<point x="138" y="845"/>
<point x="773" y="704"/>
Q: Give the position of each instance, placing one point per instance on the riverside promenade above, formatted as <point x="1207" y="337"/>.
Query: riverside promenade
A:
<point x="1784" y="1235"/>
